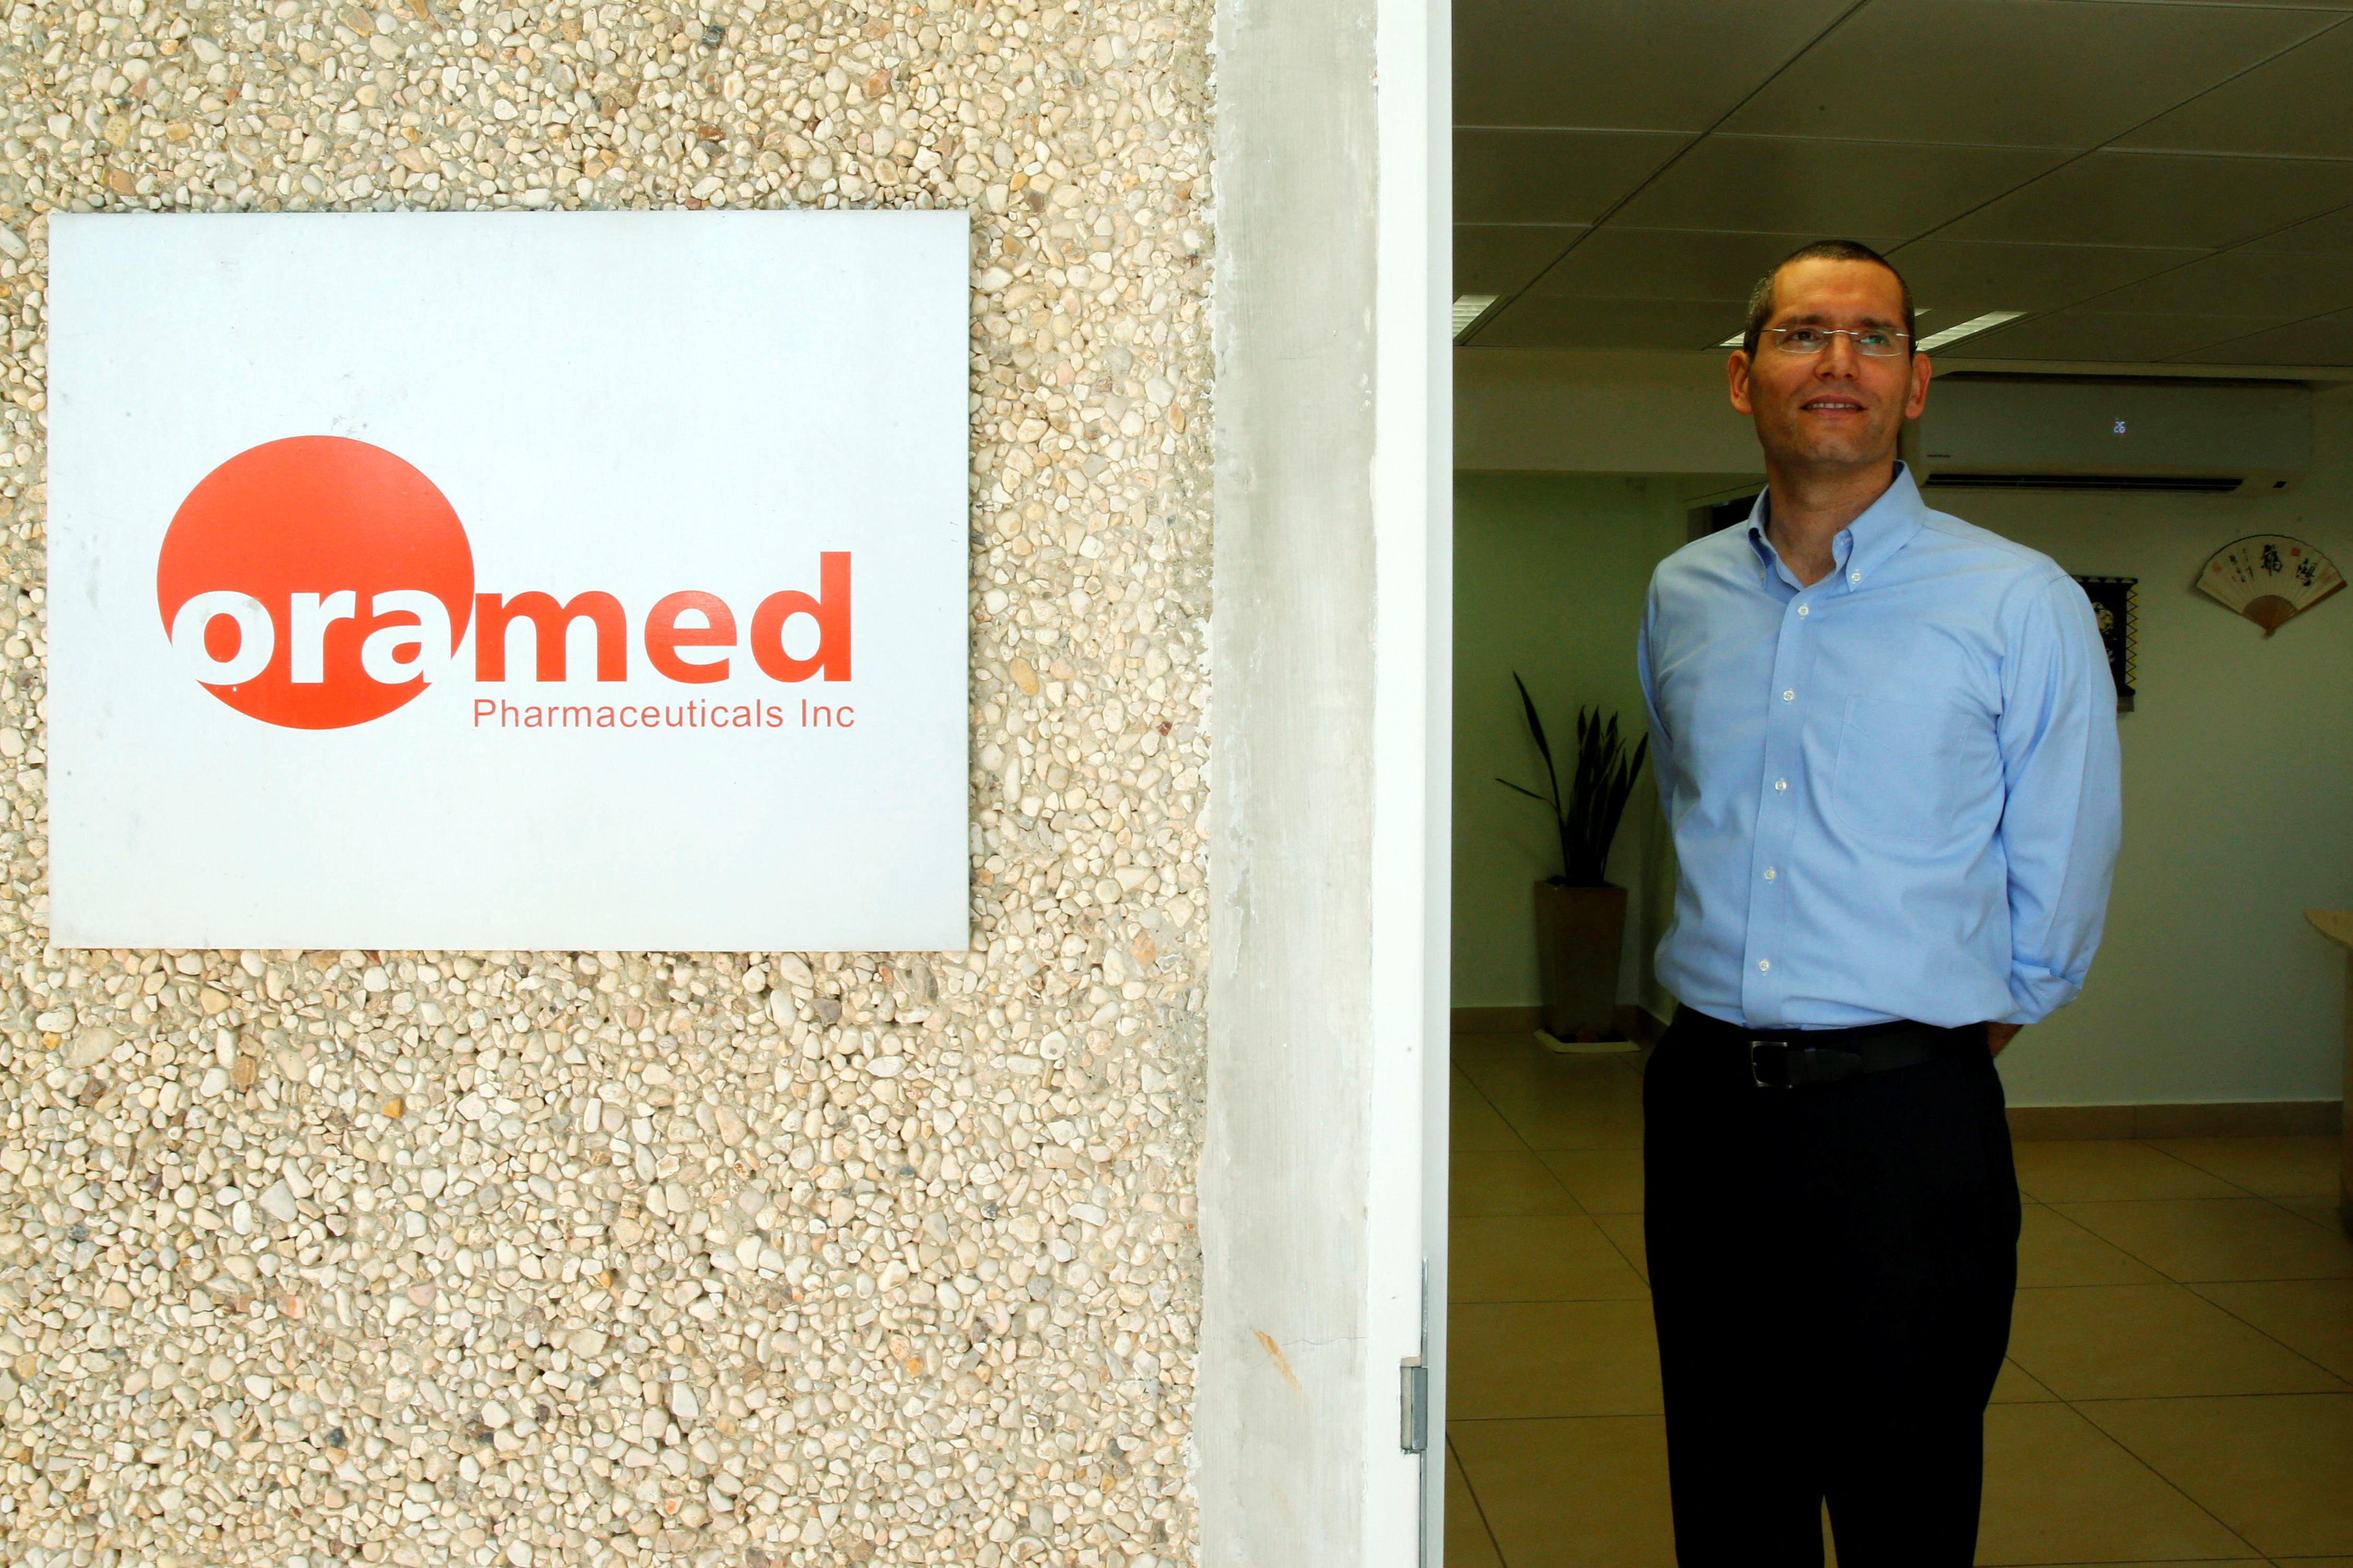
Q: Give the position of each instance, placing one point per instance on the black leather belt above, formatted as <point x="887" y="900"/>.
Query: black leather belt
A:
<point x="1800" y="1057"/>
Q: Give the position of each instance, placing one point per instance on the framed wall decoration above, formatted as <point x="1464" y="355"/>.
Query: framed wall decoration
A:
<point x="2269" y="578"/>
<point x="2115" y="604"/>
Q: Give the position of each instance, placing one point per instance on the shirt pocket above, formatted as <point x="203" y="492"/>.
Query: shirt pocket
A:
<point x="1908" y="770"/>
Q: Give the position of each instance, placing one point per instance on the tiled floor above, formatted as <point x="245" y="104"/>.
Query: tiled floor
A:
<point x="2180" y="1388"/>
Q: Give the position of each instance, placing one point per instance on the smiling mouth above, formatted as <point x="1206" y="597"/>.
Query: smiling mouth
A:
<point x="1831" y="405"/>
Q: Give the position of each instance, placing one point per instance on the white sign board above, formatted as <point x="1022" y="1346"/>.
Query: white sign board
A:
<point x="509" y="580"/>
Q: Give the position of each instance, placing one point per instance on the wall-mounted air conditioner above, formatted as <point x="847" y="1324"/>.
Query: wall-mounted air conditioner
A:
<point x="1993" y="431"/>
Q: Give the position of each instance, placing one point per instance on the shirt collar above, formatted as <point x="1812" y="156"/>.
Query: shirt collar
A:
<point x="1868" y="542"/>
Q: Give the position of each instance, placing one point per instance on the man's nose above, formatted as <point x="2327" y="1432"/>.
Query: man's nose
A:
<point x="1838" y="357"/>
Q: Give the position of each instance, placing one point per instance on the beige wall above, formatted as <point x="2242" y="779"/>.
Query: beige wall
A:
<point x="332" y="1256"/>
<point x="1549" y="573"/>
<point x="1543" y="410"/>
<point x="2209" y="987"/>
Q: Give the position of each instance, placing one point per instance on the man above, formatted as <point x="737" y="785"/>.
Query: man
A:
<point x="1886" y="745"/>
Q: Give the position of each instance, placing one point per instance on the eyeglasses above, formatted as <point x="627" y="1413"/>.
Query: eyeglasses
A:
<point x="1874" y="342"/>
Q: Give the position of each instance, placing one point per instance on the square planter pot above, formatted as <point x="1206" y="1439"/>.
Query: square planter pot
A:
<point x="1580" y="939"/>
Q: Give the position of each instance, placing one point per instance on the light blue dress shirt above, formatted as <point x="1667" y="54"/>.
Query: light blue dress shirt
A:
<point x="1894" y="794"/>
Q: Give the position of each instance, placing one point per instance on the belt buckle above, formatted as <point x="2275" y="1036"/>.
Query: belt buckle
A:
<point x="1759" y="1078"/>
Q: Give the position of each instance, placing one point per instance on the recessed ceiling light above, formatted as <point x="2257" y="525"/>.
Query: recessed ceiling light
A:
<point x="1469" y="308"/>
<point x="1970" y="327"/>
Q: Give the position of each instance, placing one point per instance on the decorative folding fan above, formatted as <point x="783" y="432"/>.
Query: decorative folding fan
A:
<point x="2270" y="578"/>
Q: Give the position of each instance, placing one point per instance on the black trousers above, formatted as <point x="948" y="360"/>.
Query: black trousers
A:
<point x="1831" y="1269"/>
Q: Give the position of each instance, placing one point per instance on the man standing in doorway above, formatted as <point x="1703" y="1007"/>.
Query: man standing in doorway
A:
<point x="1886" y="744"/>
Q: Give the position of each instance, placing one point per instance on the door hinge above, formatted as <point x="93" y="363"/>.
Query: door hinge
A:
<point x="1413" y="1406"/>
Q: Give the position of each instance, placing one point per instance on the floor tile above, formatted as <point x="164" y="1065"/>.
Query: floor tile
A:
<point x="1551" y="1116"/>
<point x="1555" y="1102"/>
<point x="1558" y="1454"/>
<point x="2054" y="1250"/>
<point x="2058" y="1490"/>
<point x="2150" y="1342"/>
<point x="1518" y="1359"/>
<point x="2103" y="1169"/>
<point x="1515" y="1053"/>
<point x="2322" y="1212"/>
<point x="2311" y="1316"/>
<point x="2198" y="1239"/>
<point x="1588" y="1493"/>
<point x="2268" y="1167"/>
<point x="1504" y="1182"/>
<point x="1603" y="1180"/>
<point x="1468" y="1544"/>
<point x="2016" y="1385"/>
<point x="1542" y="1257"/>
<point x="1475" y="1126"/>
<point x="1626" y="1230"/>
<point x="2275" y="1468"/>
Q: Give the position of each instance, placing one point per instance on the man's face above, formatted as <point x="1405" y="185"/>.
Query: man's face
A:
<point x="1837" y="409"/>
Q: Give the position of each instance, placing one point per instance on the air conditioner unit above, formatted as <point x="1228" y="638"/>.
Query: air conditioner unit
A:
<point x="1993" y="431"/>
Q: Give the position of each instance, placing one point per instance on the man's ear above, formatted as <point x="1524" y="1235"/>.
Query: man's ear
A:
<point x="1736" y="371"/>
<point x="1917" y="398"/>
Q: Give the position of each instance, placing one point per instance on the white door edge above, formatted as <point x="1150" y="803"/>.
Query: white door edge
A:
<point x="1411" y="876"/>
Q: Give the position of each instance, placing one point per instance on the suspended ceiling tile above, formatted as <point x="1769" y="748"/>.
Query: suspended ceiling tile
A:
<point x="1828" y="189"/>
<point x="1965" y="277"/>
<point x="1530" y="322"/>
<point x="2294" y="105"/>
<point x="2038" y="73"/>
<point x="1659" y="65"/>
<point x="2331" y="234"/>
<point x="1553" y="176"/>
<point x="2161" y="199"/>
<point x="2114" y="338"/>
<point x="2244" y="282"/>
<point x="1501" y="259"/>
<point x="1672" y="263"/>
<point x="2327" y="340"/>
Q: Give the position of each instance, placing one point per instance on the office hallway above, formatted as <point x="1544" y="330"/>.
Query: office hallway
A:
<point x="2180" y="1387"/>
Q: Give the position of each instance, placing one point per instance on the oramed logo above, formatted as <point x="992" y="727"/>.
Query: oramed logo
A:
<point x="318" y="583"/>
<point x="315" y="583"/>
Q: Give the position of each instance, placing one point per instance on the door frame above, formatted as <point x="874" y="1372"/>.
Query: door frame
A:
<point x="1322" y="1181"/>
<point x="1413" y="735"/>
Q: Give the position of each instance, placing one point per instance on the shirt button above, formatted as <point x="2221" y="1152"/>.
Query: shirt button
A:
<point x="1780" y="785"/>
<point x="1764" y="964"/>
<point x="1789" y="697"/>
<point x="1804" y="610"/>
<point x="1770" y="873"/>
<point x="1854" y="576"/>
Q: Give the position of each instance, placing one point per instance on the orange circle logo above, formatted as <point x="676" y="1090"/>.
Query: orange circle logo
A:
<point x="315" y="583"/>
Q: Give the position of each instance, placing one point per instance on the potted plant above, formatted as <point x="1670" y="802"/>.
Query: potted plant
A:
<point x="1580" y="915"/>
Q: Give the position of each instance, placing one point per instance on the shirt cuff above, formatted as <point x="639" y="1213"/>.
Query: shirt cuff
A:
<point x="2038" y="993"/>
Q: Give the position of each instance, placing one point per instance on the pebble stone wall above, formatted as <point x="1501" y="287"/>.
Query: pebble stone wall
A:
<point x="309" y="1259"/>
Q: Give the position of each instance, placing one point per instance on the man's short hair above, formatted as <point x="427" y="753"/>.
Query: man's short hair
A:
<point x="1760" y="298"/>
